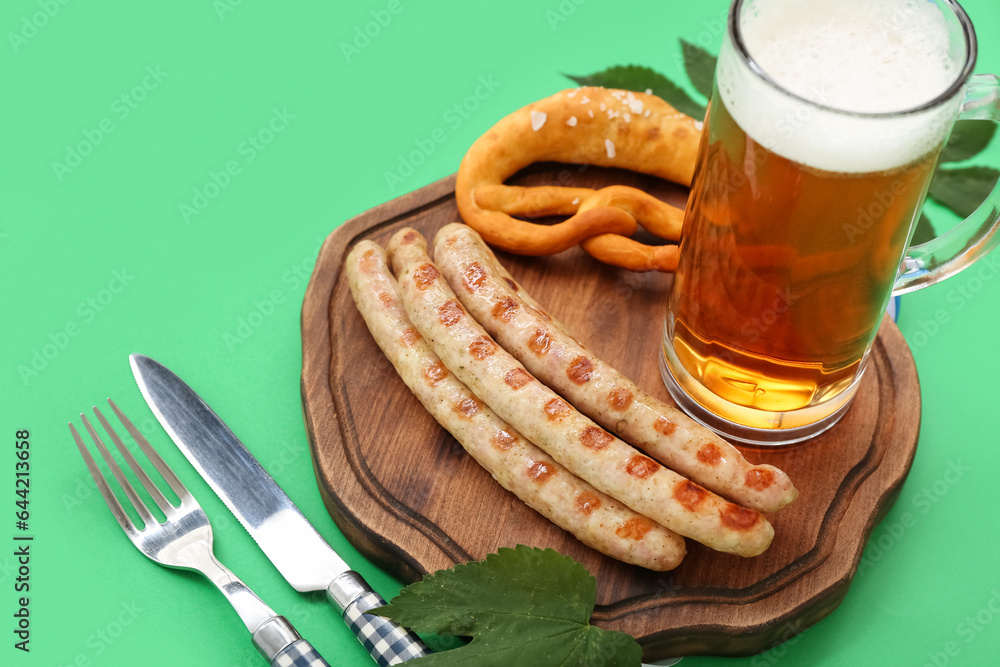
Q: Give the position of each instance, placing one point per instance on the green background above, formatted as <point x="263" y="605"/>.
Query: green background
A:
<point x="224" y="71"/>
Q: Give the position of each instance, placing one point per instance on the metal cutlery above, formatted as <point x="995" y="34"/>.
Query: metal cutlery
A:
<point x="184" y="540"/>
<point x="302" y="556"/>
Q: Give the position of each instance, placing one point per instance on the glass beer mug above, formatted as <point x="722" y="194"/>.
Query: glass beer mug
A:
<point x="821" y="137"/>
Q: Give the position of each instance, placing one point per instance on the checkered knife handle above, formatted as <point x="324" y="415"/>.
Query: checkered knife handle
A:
<point x="386" y="641"/>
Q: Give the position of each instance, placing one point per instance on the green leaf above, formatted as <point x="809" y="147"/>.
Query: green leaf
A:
<point x="640" y="79"/>
<point x="967" y="139"/>
<point x="924" y="231"/>
<point x="963" y="190"/>
<point x="521" y="606"/>
<point x="700" y="67"/>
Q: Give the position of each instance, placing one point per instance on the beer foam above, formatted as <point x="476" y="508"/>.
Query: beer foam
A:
<point x="860" y="56"/>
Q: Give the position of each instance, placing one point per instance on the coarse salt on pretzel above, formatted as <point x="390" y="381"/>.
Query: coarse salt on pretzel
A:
<point x="589" y="125"/>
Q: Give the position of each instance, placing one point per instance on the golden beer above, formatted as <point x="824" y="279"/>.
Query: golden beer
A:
<point x="776" y="305"/>
<point x="822" y="133"/>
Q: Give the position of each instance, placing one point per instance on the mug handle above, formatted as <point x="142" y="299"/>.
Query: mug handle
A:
<point x="977" y="235"/>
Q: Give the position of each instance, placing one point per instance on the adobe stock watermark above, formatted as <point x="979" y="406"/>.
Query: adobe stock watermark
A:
<point x="34" y="22"/>
<point x="378" y="370"/>
<point x="562" y="12"/>
<point x="364" y="33"/>
<point x="792" y="633"/>
<point x="890" y="533"/>
<point x="223" y="7"/>
<point x="88" y="310"/>
<point x="608" y="650"/>
<point x="794" y="121"/>
<point x="900" y="17"/>
<point x="758" y="325"/>
<point x="791" y="123"/>
<point x="611" y="309"/>
<point x="453" y="117"/>
<point x="970" y="628"/>
<point x="288" y="455"/>
<point x="8" y="568"/>
<point x="882" y="201"/>
<point x="120" y="109"/>
<point x="667" y="587"/>
<point x="708" y="37"/>
<point x="104" y="636"/>
<point x="75" y="494"/>
<point x="248" y="150"/>
<point x="965" y="289"/>
<point x="262" y="309"/>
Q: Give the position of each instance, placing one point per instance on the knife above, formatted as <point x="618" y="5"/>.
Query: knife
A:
<point x="301" y="555"/>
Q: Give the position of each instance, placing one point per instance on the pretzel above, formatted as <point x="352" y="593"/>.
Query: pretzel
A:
<point x="589" y="125"/>
<point x="657" y="217"/>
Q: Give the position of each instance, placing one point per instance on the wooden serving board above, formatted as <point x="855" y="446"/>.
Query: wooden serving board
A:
<point x="408" y="496"/>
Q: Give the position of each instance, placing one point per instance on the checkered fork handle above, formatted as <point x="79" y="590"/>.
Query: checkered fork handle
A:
<point x="299" y="654"/>
<point x="385" y="640"/>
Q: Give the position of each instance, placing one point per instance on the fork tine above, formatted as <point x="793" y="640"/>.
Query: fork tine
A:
<point x="140" y="507"/>
<point x="102" y="486"/>
<point x="155" y="493"/>
<point x="157" y="461"/>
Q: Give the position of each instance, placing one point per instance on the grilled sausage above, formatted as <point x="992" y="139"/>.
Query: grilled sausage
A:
<point x="556" y="358"/>
<point x="529" y="473"/>
<point x="554" y="425"/>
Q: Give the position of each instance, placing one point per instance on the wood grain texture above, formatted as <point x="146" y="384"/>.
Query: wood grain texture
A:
<point x="408" y="496"/>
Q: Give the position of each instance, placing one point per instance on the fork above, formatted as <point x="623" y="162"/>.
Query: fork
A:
<point x="184" y="541"/>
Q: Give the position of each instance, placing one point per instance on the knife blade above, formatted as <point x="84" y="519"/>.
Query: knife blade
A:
<point x="285" y="536"/>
